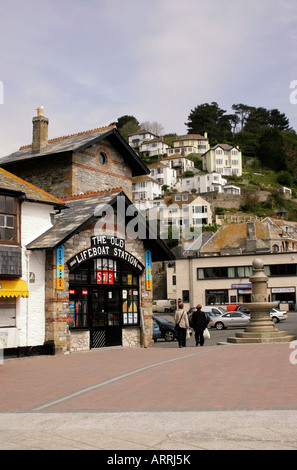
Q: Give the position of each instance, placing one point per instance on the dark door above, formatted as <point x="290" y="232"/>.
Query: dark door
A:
<point x="105" y="317"/>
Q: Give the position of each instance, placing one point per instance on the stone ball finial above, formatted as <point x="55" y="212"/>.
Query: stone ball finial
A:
<point x="258" y="263"/>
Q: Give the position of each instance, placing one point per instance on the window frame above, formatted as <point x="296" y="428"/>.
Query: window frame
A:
<point x="16" y="215"/>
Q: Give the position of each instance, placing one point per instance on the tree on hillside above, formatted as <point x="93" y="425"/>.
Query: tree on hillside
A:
<point x="257" y="120"/>
<point x="169" y="139"/>
<point x="126" y="125"/>
<point x="242" y="111"/>
<point x="278" y="120"/>
<point x="271" y="151"/>
<point x="260" y="119"/>
<point x="290" y="144"/>
<point x="153" y="127"/>
<point x="209" y="118"/>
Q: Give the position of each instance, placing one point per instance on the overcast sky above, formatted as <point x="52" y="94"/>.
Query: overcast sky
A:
<point x="88" y="62"/>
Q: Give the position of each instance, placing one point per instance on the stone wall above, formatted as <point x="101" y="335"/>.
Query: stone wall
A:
<point x="52" y="174"/>
<point x="67" y="175"/>
<point x="90" y="175"/>
<point x="56" y="307"/>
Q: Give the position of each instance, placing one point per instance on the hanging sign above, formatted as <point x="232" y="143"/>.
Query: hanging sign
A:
<point x="60" y="268"/>
<point x="148" y="270"/>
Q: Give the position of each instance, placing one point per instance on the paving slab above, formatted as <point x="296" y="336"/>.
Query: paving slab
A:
<point x="224" y="397"/>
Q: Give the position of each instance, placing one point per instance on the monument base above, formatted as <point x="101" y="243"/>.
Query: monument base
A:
<point x="261" y="329"/>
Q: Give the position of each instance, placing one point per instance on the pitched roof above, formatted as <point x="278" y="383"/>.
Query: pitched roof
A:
<point x="140" y="179"/>
<point x="225" y="147"/>
<point x="142" y="131"/>
<point x="151" y="166"/>
<point x="76" y="143"/>
<point x="10" y="182"/>
<point x="191" y="137"/>
<point x="236" y="235"/>
<point x="82" y="210"/>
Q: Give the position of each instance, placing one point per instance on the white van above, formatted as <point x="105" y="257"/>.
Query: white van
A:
<point x="164" y="305"/>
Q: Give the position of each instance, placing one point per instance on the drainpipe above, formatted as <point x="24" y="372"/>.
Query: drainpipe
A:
<point x="27" y="257"/>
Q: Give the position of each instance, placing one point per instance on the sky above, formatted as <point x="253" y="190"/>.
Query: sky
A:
<point x="89" y="62"/>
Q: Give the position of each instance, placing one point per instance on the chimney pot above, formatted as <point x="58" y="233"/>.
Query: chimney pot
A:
<point x="40" y="130"/>
<point x="40" y="111"/>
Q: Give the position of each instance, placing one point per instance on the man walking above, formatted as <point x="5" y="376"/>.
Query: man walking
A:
<point x="199" y="323"/>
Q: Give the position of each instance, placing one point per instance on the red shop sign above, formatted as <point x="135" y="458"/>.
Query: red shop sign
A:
<point x="105" y="277"/>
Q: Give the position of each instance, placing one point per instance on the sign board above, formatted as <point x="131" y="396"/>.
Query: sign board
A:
<point x="60" y="268"/>
<point x="106" y="246"/>
<point x="148" y="270"/>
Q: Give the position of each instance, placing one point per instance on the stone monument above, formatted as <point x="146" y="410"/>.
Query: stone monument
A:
<point x="261" y="329"/>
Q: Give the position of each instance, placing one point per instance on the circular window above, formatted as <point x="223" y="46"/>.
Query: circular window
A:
<point x="103" y="158"/>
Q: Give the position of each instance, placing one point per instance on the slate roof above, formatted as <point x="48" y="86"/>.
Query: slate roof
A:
<point x="191" y="137"/>
<point x="10" y="182"/>
<point x="76" y="143"/>
<point x="235" y="236"/>
<point x="81" y="210"/>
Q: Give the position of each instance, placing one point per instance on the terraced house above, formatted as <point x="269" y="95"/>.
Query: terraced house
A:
<point x="97" y="250"/>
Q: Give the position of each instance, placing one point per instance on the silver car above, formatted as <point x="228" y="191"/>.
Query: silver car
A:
<point x="229" y="319"/>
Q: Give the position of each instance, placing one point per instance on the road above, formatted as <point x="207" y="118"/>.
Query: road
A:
<point x="217" y="336"/>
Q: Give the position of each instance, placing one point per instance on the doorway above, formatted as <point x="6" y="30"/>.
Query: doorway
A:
<point x="104" y="299"/>
<point x="105" y="317"/>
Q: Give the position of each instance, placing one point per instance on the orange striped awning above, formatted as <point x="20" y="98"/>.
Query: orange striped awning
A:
<point x="13" y="288"/>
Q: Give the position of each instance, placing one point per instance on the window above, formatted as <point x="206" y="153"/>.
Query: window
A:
<point x="219" y="152"/>
<point x="103" y="160"/>
<point x="222" y="272"/>
<point x="103" y="285"/>
<point x="7" y="313"/>
<point x="8" y="219"/>
<point x="174" y="280"/>
<point x="218" y="297"/>
<point x="199" y="209"/>
<point x="185" y="296"/>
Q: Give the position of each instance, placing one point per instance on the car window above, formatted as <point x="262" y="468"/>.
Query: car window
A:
<point x="227" y="315"/>
<point x="216" y="311"/>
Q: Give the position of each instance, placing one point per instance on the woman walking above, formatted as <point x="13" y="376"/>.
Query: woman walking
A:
<point x="182" y="324"/>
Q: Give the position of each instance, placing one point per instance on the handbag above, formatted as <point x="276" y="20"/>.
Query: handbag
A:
<point x="206" y="334"/>
<point x="177" y="324"/>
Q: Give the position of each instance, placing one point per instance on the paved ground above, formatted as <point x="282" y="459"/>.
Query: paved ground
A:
<point x="215" y="397"/>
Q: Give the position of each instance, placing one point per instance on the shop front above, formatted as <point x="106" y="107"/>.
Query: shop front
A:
<point x="286" y="296"/>
<point x="104" y="295"/>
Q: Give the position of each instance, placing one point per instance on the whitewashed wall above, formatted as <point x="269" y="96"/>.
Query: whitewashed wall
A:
<point x="30" y="312"/>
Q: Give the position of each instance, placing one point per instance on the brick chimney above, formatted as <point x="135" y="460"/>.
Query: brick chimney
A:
<point x="40" y="130"/>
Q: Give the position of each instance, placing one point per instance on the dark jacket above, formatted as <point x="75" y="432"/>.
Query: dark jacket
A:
<point x="199" y="321"/>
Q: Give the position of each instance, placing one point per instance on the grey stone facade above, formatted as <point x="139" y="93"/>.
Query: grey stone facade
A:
<point x="10" y="261"/>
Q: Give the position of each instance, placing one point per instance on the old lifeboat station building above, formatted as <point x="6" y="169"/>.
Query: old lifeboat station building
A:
<point x="99" y="249"/>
